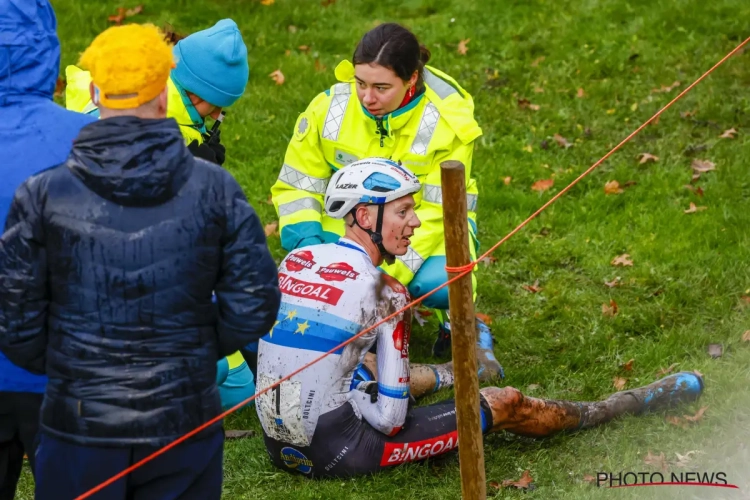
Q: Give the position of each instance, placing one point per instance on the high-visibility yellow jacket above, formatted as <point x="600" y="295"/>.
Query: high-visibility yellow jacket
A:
<point x="336" y="130"/>
<point x="179" y="107"/>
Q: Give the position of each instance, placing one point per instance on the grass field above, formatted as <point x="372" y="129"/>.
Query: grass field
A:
<point x="690" y="272"/>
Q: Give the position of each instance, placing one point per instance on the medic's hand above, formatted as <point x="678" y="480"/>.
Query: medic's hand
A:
<point x="214" y="152"/>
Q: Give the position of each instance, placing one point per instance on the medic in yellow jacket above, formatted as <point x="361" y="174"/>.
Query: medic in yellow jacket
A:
<point x="391" y="105"/>
<point x="211" y="73"/>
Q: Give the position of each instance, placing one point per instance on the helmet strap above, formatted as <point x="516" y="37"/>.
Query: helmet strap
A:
<point x="376" y="236"/>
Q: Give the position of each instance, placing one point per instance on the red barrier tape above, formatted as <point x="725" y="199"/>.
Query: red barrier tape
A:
<point x="461" y="271"/>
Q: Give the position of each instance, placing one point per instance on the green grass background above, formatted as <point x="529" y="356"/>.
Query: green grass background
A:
<point x="690" y="270"/>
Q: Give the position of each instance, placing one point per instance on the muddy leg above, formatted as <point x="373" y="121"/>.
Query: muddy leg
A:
<point x="425" y="379"/>
<point x="526" y="416"/>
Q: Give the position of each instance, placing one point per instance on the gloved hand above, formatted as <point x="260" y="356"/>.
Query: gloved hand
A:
<point x="370" y="388"/>
<point x="214" y="152"/>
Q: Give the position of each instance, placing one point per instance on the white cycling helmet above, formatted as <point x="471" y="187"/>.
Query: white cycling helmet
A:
<point x="374" y="181"/>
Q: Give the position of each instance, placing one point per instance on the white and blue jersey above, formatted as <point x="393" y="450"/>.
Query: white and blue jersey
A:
<point x="330" y="293"/>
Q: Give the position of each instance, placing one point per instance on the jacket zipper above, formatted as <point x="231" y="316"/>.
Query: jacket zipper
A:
<point x="381" y="130"/>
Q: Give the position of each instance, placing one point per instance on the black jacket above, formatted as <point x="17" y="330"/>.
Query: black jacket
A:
<point x="107" y="267"/>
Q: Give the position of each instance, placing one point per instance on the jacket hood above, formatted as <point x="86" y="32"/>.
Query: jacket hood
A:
<point x="132" y="161"/>
<point x="29" y="49"/>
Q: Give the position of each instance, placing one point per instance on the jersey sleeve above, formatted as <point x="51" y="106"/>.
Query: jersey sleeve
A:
<point x="387" y="415"/>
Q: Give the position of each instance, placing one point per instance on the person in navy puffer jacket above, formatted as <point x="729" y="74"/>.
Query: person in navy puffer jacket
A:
<point x="107" y="269"/>
<point x="36" y="134"/>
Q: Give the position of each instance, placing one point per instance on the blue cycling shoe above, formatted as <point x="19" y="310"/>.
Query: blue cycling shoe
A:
<point x="673" y="390"/>
<point x="489" y="367"/>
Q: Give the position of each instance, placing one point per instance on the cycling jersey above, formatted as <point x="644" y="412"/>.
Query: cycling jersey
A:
<point x="330" y="293"/>
<point x="314" y="423"/>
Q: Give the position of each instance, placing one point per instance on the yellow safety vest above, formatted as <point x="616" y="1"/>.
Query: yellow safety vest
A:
<point x="78" y="98"/>
<point x="335" y="130"/>
<point x="235" y="360"/>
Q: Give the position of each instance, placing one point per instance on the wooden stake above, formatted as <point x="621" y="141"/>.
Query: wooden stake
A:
<point x="463" y="333"/>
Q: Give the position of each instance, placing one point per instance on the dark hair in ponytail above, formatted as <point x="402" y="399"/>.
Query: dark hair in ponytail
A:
<point x="394" y="47"/>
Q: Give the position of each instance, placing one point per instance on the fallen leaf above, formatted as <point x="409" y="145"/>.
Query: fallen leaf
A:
<point x="538" y="90"/>
<point x="278" y="77"/>
<point x="629" y="183"/>
<point x="698" y="190"/>
<point x="292" y="28"/>
<point x="117" y="18"/>
<point x="694" y="209"/>
<point x="535" y="288"/>
<point x="287" y="52"/>
<point x="610" y="310"/>
<point x="687" y="114"/>
<point x="59" y="87"/>
<point x="462" y="46"/>
<point x="326" y="3"/>
<point x="267" y="2"/>
<point x="319" y="66"/>
<point x="580" y="93"/>
<point x="619" y="383"/>
<point x="702" y="166"/>
<point x="665" y="371"/>
<point x="677" y="421"/>
<point x="536" y="61"/>
<point x="656" y="460"/>
<point x="494" y="484"/>
<point x="543" y="184"/>
<point x="665" y="88"/>
<point x="528" y="148"/>
<point x="746" y="336"/>
<point x="507" y="180"/>
<point x="589" y="478"/>
<point x="134" y="11"/>
<point x="728" y="134"/>
<point x="615" y="282"/>
<point x="533" y="387"/>
<point x="612" y="187"/>
<point x="303" y="48"/>
<point x="684" y="460"/>
<point x="655" y="121"/>
<point x="236" y="434"/>
<point x="485" y="318"/>
<point x="526" y="104"/>
<point x="269" y="200"/>
<point x="628" y="367"/>
<point x="523" y="482"/>
<point x="698" y="415"/>
<point x="698" y="373"/>
<point x="271" y="229"/>
<point x="622" y="260"/>
<point x="488" y="261"/>
<point x="562" y="141"/>
<point x="715" y="350"/>
<point x="745" y="299"/>
<point x="647" y="157"/>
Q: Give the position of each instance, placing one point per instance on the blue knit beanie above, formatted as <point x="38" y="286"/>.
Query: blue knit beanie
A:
<point x="212" y="64"/>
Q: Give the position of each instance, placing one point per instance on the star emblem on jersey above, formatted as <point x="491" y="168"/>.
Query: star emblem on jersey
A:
<point x="291" y="314"/>
<point x="270" y="334"/>
<point x="301" y="327"/>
